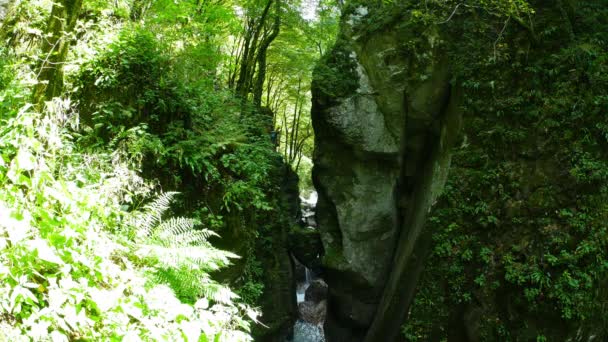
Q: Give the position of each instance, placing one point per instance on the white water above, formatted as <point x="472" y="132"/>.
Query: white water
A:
<point x="308" y="209"/>
<point x="311" y="201"/>
<point x="301" y="288"/>
<point x="306" y="332"/>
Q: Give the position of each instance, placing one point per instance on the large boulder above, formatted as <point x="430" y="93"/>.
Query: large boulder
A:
<point x="306" y="246"/>
<point x="316" y="291"/>
<point x="382" y="142"/>
<point x="312" y="312"/>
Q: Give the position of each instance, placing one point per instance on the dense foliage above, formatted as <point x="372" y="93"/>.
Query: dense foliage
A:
<point x="70" y="268"/>
<point x="106" y="109"/>
<point x="520" y="234"/>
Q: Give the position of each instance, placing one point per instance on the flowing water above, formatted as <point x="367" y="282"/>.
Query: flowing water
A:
<point x="304" y="331"/>
<point x="301" y="288"/>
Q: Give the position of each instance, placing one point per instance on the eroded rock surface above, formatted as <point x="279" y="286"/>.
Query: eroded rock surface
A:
<point x="316" y="291"/>
<point x="381" y="158"/>
<point x="312" y="312"/>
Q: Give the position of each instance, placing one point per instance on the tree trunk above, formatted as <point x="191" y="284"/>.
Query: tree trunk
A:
<point x="261" y="58"/>
<point x="55" y="49"/>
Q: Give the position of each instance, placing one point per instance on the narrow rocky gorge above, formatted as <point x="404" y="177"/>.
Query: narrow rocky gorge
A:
<point x="311" y="289"/>
<point x="304" y="170"/>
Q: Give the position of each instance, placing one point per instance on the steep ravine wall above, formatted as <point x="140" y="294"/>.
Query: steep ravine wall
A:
<point x="510" y="103"/>
<point x="382" y="154"/>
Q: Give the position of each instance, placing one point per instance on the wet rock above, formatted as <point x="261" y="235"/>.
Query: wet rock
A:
<point x="316" y="291"/>
<point x="299" y="271"/>
<point x="312" y="312"/>
<point x="306" y="246"/>
<point x="307" y="332"/>
<point x="308" y="218"/>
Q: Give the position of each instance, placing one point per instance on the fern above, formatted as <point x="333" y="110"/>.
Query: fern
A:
<point x="145" y="222"/>
<point x="179" y="253"/>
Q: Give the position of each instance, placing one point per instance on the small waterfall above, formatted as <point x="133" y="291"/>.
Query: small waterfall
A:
<point x="302" y="287"/>
<point x="304" y="331"/>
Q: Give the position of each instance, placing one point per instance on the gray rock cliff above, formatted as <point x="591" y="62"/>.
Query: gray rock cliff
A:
<point x="382" y="153"/>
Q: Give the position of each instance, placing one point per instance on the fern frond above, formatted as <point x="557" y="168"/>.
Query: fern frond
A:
<point x="187" y="284"/>
<point x="174" y="226"/>
<point x="182" y="254"/>
<point x="152" y="214"/>
<point x="189" y="238"/>
<point x="201" y="257"/>
<point x="219" y="293"/>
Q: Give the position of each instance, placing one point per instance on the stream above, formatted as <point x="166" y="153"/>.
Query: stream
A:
<point x="308" y="331"/>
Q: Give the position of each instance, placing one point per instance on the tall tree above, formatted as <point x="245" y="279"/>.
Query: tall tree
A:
<point x="55" y="49"/>
<point x="260" y="30"/>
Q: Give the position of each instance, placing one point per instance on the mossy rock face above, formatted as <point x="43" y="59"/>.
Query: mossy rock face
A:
<point x="374" y="138"/>
<point x="335" y="76"/>
<point x="305" y="245"/>
<point x="278" y="300"/>
<point x="525" y="184"/>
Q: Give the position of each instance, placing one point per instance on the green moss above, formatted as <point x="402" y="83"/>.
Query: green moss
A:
<point x="335" y="77"/>
<point x="519" y="216"/>
<point x="334" y="259"/>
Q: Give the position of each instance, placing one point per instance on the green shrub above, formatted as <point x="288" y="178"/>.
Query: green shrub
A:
<point x="64" y="274"/>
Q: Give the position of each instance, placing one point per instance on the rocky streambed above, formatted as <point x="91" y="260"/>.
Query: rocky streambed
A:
<point x="311" y="289"/>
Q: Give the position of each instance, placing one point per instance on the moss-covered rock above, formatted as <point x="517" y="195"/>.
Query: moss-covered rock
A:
<point x="305" y="245"/>
<point x="517" y="241"/>
<point x="278" y="300"/>
<point x="376" y="145"/>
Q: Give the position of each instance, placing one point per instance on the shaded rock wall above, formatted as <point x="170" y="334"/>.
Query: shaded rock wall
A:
<point x="278" y="301"/>
<point x="525" y="201"/>
<point x="382" y="153"/>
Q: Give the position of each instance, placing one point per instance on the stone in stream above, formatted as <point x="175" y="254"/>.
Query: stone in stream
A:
<point x="312" y="312"/>
<point x="305" y="245"/>
<point x="316" y="291"/>
<point x="307" y="332"/>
